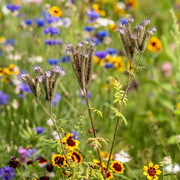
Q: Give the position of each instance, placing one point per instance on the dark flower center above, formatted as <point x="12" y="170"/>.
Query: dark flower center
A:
<point x="154" y="44"/>
<point x="71" y="142"/>
<point x="77" y="156"/>
<point x="59" y="161"/>
<point x="117" y="167"/>
<point x="151" y="171"/>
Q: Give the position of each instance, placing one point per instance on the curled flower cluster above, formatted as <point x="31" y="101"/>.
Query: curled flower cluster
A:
<point x="137" y="41"/>
<point x="82" y="62"/>
<point x="48" y="79"/>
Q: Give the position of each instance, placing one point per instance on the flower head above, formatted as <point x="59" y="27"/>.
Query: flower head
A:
<point x="152" y="171"/>
<point x="55" y="11"/>
<point x="69" y="142"/>
<point x="6" y="173"/>
<point x="51" y="30"/>
<point x="75" y="156"/>
<point x="58" y="160"/>
<point x="57" y="98"/>
<point x="13" y="7"/>
<point x="4" y="98"/>
<point x="122" y="157"/>
<point x="154" y="45"/>
<point x="39" y="130"/>
<point x="117" y="167"/>
<point x="93" y="16"/>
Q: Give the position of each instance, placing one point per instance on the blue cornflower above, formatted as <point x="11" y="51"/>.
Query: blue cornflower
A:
<point x="28" y="22"/>
<point x="13" y="7"/>
<point x="123" y="21"/>
<point x="6" y="173"/>
<point x="95" y="40"/>
<point x="51" y="42"/>
<point x="30" y="152"/>
<point x="56" y="99"/>
<point x="10" y="41"/>
<point x="53" y="61"/>
<point x="101" y="54"/>
<point x="89" y="28"/>
<point x="4" y="98"/>
<point x="109" y="65"/>
<point x="24" y="88"/>
<point x="93" y="15"/>
<point x="51" y="31"/>
<point x="73" y="1"/>
<point x="65" y="59"/>
<point x="76" y="135"/>
<point x="103" y="34"/>
<point x="39" y="130"/>
<point x="40" y="22"/>
<point x="112" y="51"/>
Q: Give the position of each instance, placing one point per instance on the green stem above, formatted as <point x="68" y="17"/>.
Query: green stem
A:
<point x="94" y="131"/>
<point x="21" y="175"/>
<point x="129" y="81"/>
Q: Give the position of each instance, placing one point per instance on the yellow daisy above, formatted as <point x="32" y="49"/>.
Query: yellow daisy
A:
<point x="59" y="160"/>
<point x="154" y="45"/>
<point x="117" y="167"/>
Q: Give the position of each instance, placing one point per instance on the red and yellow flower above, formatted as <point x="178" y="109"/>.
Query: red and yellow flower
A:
<point x="154" y="45"/>
<point x="70" y="143"/>
<point x="152" y="171"/>
<point x="117" y="167"/>
<point x="75" y="156"/>
<point x="59" y="160"/>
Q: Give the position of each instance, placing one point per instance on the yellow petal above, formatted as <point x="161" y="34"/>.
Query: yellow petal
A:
<point x="145" y="168"/>
<point x="149" y="177"/>
<point x="145" y="173"/>
<point x="150" y="164"/>
<point x="156" y="166"/>
<point x="158" y="172"/>
<point x="156" y="178"/>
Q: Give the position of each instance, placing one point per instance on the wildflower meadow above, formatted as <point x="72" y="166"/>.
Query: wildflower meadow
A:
<point x="90" y="89"/>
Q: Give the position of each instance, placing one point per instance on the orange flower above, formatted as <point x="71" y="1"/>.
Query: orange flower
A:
<point x="55" y="11"/>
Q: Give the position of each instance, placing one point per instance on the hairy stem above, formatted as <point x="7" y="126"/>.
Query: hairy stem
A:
<point x="129" y="81"/>
<point x="94" y="131"/>
<point x="57" y="129"/>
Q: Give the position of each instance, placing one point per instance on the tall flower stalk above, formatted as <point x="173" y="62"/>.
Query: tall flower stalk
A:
<point x="82" y="63"/>
<point x="49" y="80"/>
<point x="133" y="44"/>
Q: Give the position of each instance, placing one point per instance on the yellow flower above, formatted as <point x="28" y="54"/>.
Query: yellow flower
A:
<point x="2" y="39"/>
<point x="14" y="69"/>
<point x="131" y="4"/>
<point x="106" y="155"/>
<point x="6" y="79"/>
<point x="58" y="160"/>
<point x="119" y="11"/>
<point x="109" y="174"/>
<point x="152" y="171"/>
<point x="55" y="11"/>
<point x="7" y="72"/>
<point x="98" y="9"/>
<point x="0" y="15"/>
<point x="96" y="59"/>
<point x="69" y="142"/>
<point x="75" y="156"/>
<point x="178" y="106"/>
<point x="128" y="66"/>
<point x="119" y="64"/>
<point x="154" y="45"/>
<point x="1" y="71"/>
<point x="113" y="27"/>
<point x="117" y="167"/>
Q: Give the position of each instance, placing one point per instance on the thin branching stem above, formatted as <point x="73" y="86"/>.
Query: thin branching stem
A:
<point x="129" y="81"/>
<point x="57" y="129"/>
<point x="94" y="131"/>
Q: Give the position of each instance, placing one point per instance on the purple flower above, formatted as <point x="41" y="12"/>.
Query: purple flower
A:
<point x="102" y="34"/>
<point x="51" y="42"/>
<point x="95" y="40"/>
<point x="28" y="22"/>
<point x="65" y="59"/>
<point x="109" y="65"/>
<point x="10" y="41"/>
<point x="39" y="130"/>
<point x="101" y="54"/>
<point x="13" y="7"/>
<point x="76" y="135"/>
<point x="111" y="51"/>
<point x="93" y="15"/>
<point x="89" y="28"/>
<point x="30" y="152"/>
<point x="23" y="154"/>
<point x="53" y="61"/>
<point x="57" y="98"/>
<point x="24" y="88"/>
<point x="51" y="31"/>
<point x="6" y="173"/>
<point x="4" y="98"/>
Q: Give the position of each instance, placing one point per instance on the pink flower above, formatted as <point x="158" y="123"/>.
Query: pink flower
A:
<point x="23" y="154"/>
<point x="167" y="69"/>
